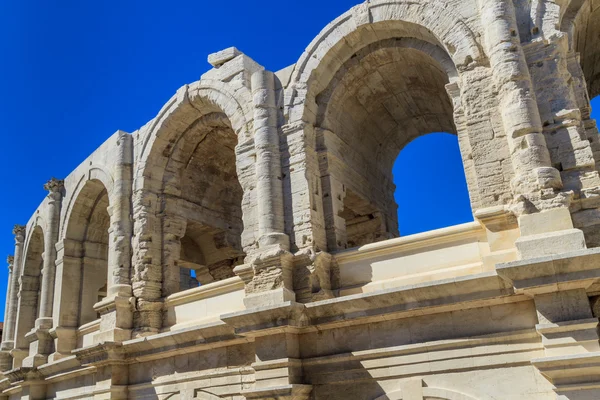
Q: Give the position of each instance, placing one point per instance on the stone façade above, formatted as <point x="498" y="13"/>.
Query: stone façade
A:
<point x="244" y="243"/>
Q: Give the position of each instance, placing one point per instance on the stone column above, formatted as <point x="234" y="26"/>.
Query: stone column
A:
<point x="520" y="115"/>
<point x="565" y="111"/>
<point x="40" y="338"/>
<point x="544" y="219"/>
<point x="268" y="162"/>
<point x="116" y="310"/>
<point x="11" y="262"/>
<point x="12" y="300"/>
<point x="5" y="358"/>
<point x="268" y="275"/>
<point x="55" y="188"/>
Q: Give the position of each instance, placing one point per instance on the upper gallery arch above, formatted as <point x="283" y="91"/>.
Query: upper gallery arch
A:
<point x="190" y="104"/>
<point x="429" y="22"/>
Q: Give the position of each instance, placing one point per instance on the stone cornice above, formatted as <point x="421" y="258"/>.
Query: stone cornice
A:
<point x="575" y="270"/>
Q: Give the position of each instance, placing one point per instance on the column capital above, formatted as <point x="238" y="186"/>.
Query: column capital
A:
<point x="54" y="186"/>
<point x="19" y="232"/>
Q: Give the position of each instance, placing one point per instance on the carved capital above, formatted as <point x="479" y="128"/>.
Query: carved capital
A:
<point x="54" y="187"/>
<point x="19" y="232"/>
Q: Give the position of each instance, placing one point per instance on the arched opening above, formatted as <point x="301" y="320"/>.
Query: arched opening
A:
<point x="201" y="205"/>
<point x="423" y="206"/>
<point x="584" y="37"/>
<point x="87" y="242"/>
<point x="30" y="287"/>
<point x="382" y="98"/>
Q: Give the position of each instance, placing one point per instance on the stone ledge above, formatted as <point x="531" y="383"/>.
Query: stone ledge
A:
<point x="279" y="392"/>
<point x="205" y="291"/>
<point x="393" y="303"/>
<point x="567" y="326"/>
<point x="267" y="320"/>
<point x="572" y="371"/>
<point x="412" y="242"/>
<point x="574" y="270"/>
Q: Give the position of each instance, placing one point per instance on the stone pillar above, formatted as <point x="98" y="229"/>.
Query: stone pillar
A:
<point x="173" y="229"/>
<point x="111" y="371"/>
<point x="268" y="162"/>
<point x="11" y="262"/>
<point x="5" y="358"/>
<point x="40" y="338"/>
<point x="55" y="188"/>
<point x="116" y="310"/>
<point x="268" y="274"/>
<point x="66" y="298"/>
<point x="29" y="287"/>
<point x="537" y="183"/>
<point x="278" y="369"/>
<point x="565" y="113"/>
<point x="12" y="300"/>
<point x="566" y="325"/>
<point x="520" y="115"/>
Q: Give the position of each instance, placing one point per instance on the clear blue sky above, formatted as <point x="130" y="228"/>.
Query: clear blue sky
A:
<point x="73" y="72"/>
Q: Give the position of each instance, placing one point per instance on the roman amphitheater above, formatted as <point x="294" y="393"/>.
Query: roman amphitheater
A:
<point x="244" y="243"/>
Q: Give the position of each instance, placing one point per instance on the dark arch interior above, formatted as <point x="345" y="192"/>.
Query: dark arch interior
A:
<point x="202" y="190"/>
<point x="381" y="99"/>
<point x="88" y="226"/>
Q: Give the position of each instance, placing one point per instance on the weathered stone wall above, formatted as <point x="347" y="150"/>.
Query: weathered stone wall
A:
<point x="212" y="253"/>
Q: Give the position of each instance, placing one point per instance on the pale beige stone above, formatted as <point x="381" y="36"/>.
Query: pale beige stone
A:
<point x="244" y="243"/>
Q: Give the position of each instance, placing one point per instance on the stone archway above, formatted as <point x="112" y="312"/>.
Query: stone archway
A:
<point x="192" y="206"/>
<point x="29" y="289"/>
<point x="377" y="77"/>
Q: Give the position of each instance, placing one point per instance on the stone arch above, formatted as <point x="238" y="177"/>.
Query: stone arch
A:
<point x="355" y="62"/>
<point x="576" y="19"/>
<point x="430" y="394"/>
<point x="174" y="147"/>
<point x="30" y="285"/>
<point x="446" y="42"/>
<point x="372" y="22"/>
<point x="94" y="173"/>
<point x="84" y="251"/>
<point x="200" y="98"/>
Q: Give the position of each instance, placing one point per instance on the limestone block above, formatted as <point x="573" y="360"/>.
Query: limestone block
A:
<point x="221" y="57"/>
<point x="546" y="244"/>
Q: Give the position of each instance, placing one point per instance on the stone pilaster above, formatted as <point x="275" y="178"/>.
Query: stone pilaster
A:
<point x="268" y="162"/>
<point x="12" y="300"/>
<point x="537" y="184"/>
<point x="268" y="273"/>
<point x="570" y="134"/>
<point x="277" y="365"/>
<point x="116" y="310"/>
<point x="566" y="325"/>
<point x="517" y="102"/>
<point x="146" y="260"/>
<point x="5" y="358"/>
<point x="42" y="343"/>
<point x="112" y="372"/>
